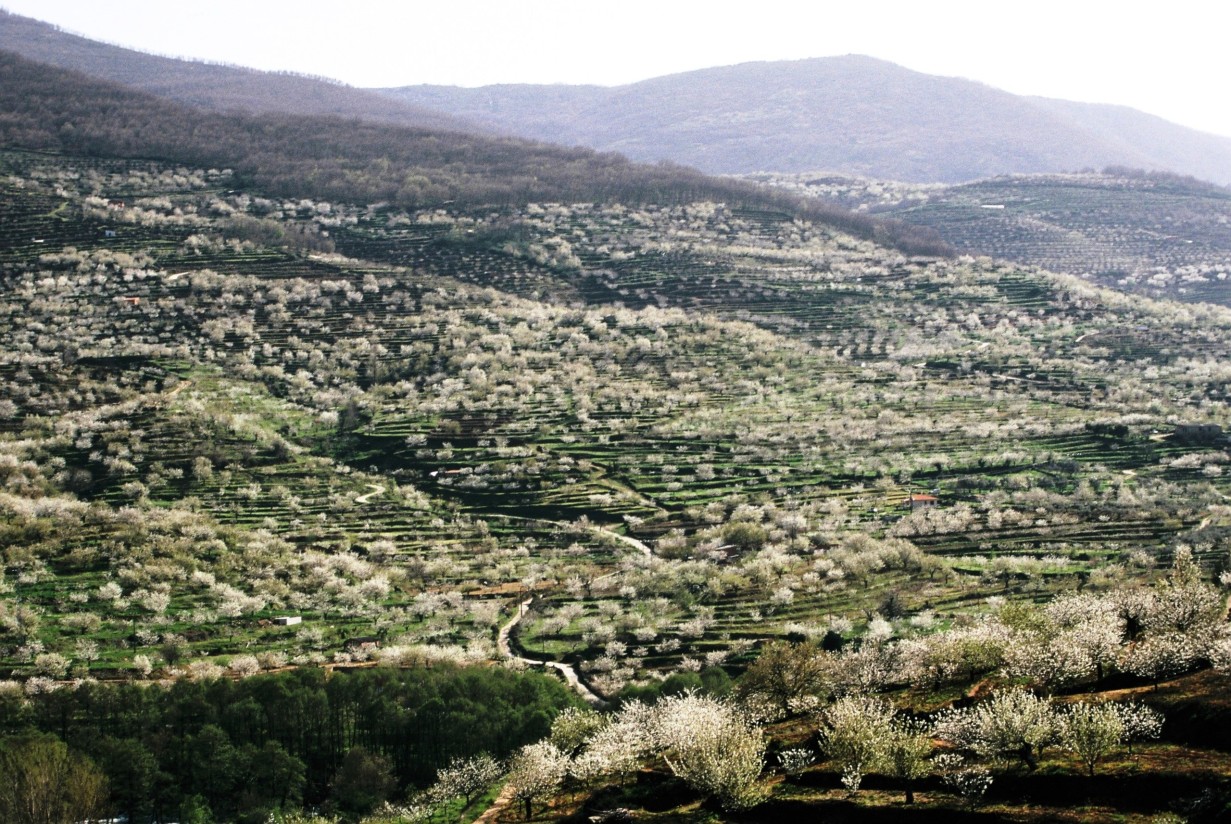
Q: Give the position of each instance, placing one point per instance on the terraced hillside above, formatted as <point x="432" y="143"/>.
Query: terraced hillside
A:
<point x="1153" y="234"/>
<point x="686" y="428"/>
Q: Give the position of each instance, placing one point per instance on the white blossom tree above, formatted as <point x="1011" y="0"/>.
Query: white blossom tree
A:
<point x="906" y="751"/>
<point x="535" y="772"/>
<point x="573" y="727"/>
<point x="1140" y="722"/>
<point x="466" y="778"/>
<point x="714" y="747"/>
<point x="1012" y="723"/>
<point x="853" y="734"/>
<point x="1090" y="731"/>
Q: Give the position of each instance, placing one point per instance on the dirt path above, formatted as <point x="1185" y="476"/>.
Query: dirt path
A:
<point x="377" y="489"/>
<point x="602" y="531"/>
<point x="627" y="540"/>
<point x="505" y="798"/>
<point x="570" y="674"/>
<point x="567" y="671"/>
<point x="499" y="804"/>
<point x="178" y="388"/>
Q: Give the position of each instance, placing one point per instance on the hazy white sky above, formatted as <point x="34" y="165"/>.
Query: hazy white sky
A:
<point x="1169" y="59"/>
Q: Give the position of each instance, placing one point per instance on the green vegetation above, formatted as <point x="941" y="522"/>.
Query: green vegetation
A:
<point x="207" y="433"/>
<point x="240" y="750"/>
<point x="245" y="434"/>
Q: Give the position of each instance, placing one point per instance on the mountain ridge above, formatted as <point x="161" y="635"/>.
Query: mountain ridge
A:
<point x="212" y="86"/>
<point x="853" y="114"/>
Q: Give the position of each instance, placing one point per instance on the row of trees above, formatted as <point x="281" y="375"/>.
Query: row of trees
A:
<point x="1149" y="632"/>
<point x="714" y="746"/>
<point x="718" y="748"/>
<point x="182" y="763"/>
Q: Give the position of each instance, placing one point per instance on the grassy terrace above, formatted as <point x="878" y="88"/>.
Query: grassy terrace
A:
<point x="387" y="422"/>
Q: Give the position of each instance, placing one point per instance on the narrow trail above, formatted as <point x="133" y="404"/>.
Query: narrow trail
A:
<point x="601" y="531"/>
<point x="567" y="671"/>
<point x="570" y="674"/>
<point x="627" y="540"/>
<point x="377" y="489"/>
<point x="499" y="804"/>
<point x="505" y="798"/>
<point x="178" y="388"/>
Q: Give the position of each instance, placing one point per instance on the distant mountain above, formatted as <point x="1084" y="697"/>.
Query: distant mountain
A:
<point x="211" y="86"/>
<point x="854" y="115"/>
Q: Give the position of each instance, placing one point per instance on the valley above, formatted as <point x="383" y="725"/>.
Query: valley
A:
<point x="364" y="463"/>
<point x="683" y="432"/>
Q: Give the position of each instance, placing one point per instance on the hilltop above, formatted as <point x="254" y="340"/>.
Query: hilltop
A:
<point x="852" y="115"/>
<point x="366" y="162"/>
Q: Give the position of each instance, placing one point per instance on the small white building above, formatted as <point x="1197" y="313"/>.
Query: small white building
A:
<point x="288" y="620"/>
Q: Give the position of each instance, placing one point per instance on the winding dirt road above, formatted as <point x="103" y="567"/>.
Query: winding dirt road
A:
<point x="570" y="674"/>
<point x="377" y="489"/>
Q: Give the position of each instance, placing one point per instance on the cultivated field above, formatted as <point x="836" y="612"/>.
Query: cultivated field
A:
<point x="687" y="432"/>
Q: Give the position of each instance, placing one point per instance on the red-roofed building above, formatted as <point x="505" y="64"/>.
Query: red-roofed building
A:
<point x="917" y="500"/>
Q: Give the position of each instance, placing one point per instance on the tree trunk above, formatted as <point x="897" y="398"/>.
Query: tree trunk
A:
<point x="1026" y="754"/>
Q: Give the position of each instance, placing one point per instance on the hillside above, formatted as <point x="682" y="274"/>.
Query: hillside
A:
<point x="853" y="115"/>
<point x="210" y="86"/>
<point x="1150" y="233"/>
<point x="364" y="162"/>
<point x="688" y="429"/>
<point x="326" y="444"/>
<point x="674" y="371"/>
